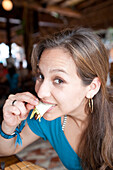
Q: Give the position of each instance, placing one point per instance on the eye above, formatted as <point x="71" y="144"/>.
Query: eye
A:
<point x="58" y="81"/>
<point x="40" y="76"/>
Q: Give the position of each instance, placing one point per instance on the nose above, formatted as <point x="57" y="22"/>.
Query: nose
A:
<point x="44" y="90"/>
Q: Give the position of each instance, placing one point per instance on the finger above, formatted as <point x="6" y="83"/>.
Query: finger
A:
<point x="25" y="97"/>
<point x="29" y="107"/>
<point x="22" y="108"/>
<point x="13" y="115"/>
<point x="20" y="105"/>
<point x="11" y="110"/>
<point x="11" y="95"/>
<point x="13" y="103"/>
<point x="17" y="109"/>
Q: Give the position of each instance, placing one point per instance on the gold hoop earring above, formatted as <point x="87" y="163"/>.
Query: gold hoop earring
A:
<point x="91" y="105"/>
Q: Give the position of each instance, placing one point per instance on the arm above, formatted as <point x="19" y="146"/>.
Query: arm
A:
<point x="13" y="115"/>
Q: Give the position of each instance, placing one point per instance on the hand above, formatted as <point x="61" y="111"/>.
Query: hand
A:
<point x="14" y="114"/>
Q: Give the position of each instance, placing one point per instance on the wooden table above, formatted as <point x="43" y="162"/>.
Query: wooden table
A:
<point x="15" y="163"/>
<point x="9" y="160"/>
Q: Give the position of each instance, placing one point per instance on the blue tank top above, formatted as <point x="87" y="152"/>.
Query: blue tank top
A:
<point x="52" y="131"/>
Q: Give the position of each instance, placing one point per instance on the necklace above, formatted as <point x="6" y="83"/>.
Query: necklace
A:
<point x="64" y="122"/>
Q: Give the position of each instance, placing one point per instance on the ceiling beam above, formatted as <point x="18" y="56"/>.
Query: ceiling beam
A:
<point x="62" y="11"/>
<point x="52" y="2"/>
<point x="99" y="6"/>
<point x="97" y="19"/>
<point x="85" y="4"/>
<point x="71" y="3"/>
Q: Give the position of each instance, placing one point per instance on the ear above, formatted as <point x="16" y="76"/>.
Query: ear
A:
<point x="93" y="88"/>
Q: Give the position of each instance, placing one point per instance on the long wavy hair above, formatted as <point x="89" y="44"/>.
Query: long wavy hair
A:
<point x="91" y="59"/>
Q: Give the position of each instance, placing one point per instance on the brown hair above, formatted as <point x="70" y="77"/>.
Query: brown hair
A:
<point x="91" y="59"/>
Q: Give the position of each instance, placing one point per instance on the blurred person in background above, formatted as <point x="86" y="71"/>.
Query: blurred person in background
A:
<point x="3" y="86"/>
<point x="3" y="70"/>
<point x="27" y="79"/>
<point x="13" y="80"/>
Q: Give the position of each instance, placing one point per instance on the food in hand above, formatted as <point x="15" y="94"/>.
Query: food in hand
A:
<point x="39" y="110"/>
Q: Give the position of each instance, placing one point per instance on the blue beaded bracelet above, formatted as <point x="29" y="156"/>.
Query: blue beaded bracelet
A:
<point x="16" y="133"/>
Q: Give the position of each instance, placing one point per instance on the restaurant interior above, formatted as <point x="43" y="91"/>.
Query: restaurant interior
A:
<point x="22" y="24"/>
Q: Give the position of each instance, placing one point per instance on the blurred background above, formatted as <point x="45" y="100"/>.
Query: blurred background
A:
<point x="23" y="22"/>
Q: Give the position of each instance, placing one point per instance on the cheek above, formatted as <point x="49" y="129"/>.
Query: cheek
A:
<point x="37" y="86"/>
<point x="71" y="99"/>
<point x="61" y="99"/>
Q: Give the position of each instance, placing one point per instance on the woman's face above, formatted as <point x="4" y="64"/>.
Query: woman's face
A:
<point x="58" y="84"/>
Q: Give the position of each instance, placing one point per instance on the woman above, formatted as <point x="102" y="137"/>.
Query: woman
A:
<point x="71" y="69"/>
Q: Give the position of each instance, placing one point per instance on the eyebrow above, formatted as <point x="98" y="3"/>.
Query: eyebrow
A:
<point x="54" y="70"/>
<point x="58" y="70"/>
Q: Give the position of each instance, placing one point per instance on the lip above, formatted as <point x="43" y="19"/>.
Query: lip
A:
<point x="46" y="102"/>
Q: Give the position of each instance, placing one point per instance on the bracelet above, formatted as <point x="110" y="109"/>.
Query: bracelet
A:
<point x="16" y="133"/>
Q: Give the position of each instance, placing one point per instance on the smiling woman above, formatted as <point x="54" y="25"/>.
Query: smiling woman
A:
<point x="71" y="72"/>
<point x="55" y="85"/>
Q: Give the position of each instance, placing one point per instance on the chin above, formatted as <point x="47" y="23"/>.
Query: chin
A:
<point x="50" y="117"/>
